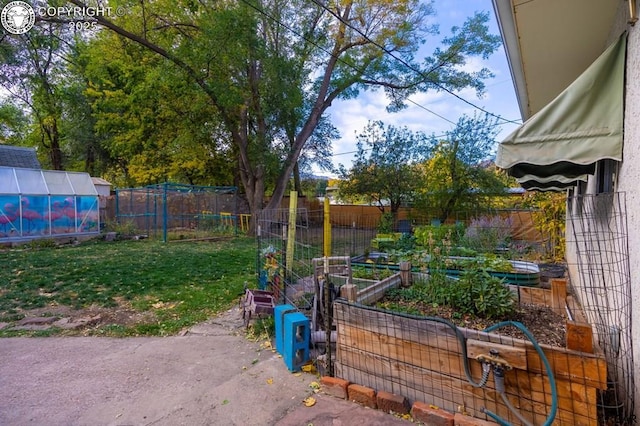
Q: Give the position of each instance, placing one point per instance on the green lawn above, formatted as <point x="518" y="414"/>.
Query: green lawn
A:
<point x="180" y="283"/>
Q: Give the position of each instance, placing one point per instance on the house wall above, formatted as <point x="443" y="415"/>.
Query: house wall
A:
<point x="629" y="179"/>
<point x="627" y="236"/>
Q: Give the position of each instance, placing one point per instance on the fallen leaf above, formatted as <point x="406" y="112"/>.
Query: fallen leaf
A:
<point x="269" y="381"/>
<point x="309" y="402"/>
<point x="308" y="368"/>
<point x="314" y="385"/>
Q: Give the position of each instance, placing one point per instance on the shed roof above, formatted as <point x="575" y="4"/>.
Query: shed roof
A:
<point x="19" y="156"/>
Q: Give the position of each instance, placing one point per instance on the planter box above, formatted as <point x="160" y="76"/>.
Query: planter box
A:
<point x="369" y="291"/>
<point x="524" y="274"/>
<point x="422" y="360"/>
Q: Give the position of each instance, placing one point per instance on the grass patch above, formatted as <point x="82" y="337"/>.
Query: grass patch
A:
<point x="180" y="283"/>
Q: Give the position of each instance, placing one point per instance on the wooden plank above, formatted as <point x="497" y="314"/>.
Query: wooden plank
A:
<point x="515" y="357"/>
<point x="534" y="295"/>
<point x="451" y="393"/>
<point x="559" y="295"/>
<point x="579" y="337"/>
<point x="590" y="369"/>
<point x="353" y="342"/>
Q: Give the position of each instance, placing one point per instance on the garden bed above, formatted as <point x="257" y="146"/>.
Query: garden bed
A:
<point x="522" y="273"/>
<point x="424" y="360"/>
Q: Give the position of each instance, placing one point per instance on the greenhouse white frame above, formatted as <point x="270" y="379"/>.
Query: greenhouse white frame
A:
<point x="46" y="203"/>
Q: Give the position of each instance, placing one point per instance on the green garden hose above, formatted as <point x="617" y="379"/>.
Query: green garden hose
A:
<point x="547" y="366"/>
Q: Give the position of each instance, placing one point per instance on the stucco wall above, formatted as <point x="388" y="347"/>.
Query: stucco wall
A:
<point x="629" y="174"/>
<point x="628" y="185"/>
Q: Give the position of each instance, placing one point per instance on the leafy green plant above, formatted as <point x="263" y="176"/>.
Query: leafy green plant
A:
<point x="385" y="226"/>
<point x="121" y="228"/>
<point x="478" y="293"/>
<point x="475" y="293"/>
<point x="42" y="243"/>
<point x="429" y="236"/>
<point x="375" y="272"/>
<point x="487" y="234"/>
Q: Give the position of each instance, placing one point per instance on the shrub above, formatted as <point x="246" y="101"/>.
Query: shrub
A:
<point x="429" y="235"/>
<point x="488" y="233"/>
<point x="478" y="293"/>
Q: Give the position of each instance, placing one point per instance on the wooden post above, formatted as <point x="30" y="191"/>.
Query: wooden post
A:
<point x="559" y="295"/>
<point x="405" y="274"/>
<point x="349" y="292"/>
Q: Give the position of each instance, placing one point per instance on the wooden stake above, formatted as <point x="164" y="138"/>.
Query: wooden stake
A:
<point x="559" y="295"/>
<point x="579" y="337"/>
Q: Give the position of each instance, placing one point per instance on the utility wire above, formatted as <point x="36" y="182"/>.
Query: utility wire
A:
<point x="411" y="67"/>
<point x="385" y="50"/>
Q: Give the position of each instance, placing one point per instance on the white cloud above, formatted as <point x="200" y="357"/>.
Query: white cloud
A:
<point x="351" y="116"/>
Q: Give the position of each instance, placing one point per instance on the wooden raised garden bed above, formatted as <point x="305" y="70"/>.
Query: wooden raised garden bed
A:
<point x="422" y="360"/>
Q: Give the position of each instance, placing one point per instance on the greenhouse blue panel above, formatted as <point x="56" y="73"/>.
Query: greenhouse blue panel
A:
<point x="34" y="215"/>
<point x="57" y="182"/>
<point x="8" y="179"/>
<point x="31" y="182"/>
<point x="63" y="214"/>
<point x="9" y="216"/>
<point x="88" y="219"/>
<point x="82" y="184"/>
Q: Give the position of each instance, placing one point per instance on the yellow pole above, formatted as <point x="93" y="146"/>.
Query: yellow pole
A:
<point x="327" y="228"/>
<point x="291" y="235"/>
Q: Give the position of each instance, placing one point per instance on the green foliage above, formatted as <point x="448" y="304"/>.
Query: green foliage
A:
<point x="475" y="293"/>
<point x="428" y="236"/>
<point x="549" y="217"/>
<point x="375" y="272"/>
<point x="121" y="228"/>
<point x="385" y="226"/>
<point x="385" y="168"/>
<point x="478" y="293"/>
<point x="42" y="243"/>
<point x="204" y="93"/>
<point x="487" y="234"/>
<point x="456" y="175"/>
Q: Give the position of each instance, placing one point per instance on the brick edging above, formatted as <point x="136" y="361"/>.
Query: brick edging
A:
<point x="396" y="404"/>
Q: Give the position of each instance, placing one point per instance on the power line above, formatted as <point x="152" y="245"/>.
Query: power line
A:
<point x="419" y="72"/>
<point x="410" y="67"/>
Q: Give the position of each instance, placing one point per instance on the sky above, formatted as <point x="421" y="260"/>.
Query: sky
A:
<point x="350" y="117"/>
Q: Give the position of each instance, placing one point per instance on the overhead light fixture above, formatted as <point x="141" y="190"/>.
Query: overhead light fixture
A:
<point x="633" y="12"/>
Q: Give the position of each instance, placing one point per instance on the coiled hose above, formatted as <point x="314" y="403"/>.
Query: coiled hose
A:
<point x="485" y="372"/>
<point x="547" y="366"/>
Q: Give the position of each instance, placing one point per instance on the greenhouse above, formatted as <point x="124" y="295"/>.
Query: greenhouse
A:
<point x="45" y="204"/>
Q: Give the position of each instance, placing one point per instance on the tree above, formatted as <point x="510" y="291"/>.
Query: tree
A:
<point x="31" y="71"/>
<point x="156" y="125"/>
<point x="456" y="174"/>
<point x="13" y="123"/>
<point x="385" y="169"/>
<point x="257" y="61"/>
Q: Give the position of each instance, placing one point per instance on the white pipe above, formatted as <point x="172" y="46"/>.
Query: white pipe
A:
<point x="321" y="337"/>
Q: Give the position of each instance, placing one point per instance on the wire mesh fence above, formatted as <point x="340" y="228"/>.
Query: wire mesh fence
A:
<point x="173" y="211"/>
<point x="371" y="306"/>
<point x="598" y="258"/>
